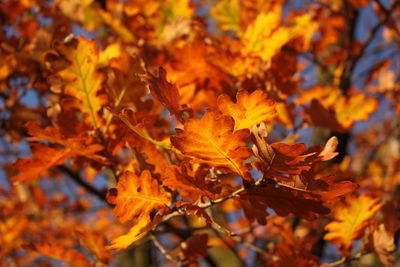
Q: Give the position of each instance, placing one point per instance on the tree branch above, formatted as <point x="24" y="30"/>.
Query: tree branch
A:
<point x="77" y="179"/>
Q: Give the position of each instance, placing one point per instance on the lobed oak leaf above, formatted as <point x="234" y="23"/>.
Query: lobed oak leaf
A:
<point x="191" y="183"/>
<point x="323" y="117"/>
<point x="249" y="109"/>
<point x="78" y="76"/>
<point x="44" y="157"/>
<point x="211" y="140"/>
<point x="137" y="196"/>
<point x="137" y="231"/>
<point x="351" y="218"/>
<point x="78" y="145"/>
<point x="384" y="245"/>
<point x="282" y="200"/>
<point x="227" y="15"/>
<point x="166" y="93"/>
<point x="124" y="89"/>
<point x="279" y="160"/>
<point x="357" y="107"/>
<point x="61" y="253"/>
<point x="95" y="243"/>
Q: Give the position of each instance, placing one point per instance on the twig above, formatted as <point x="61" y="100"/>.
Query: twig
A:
<point x="76" y="178"/>
<point x="163" y="250"/>
<point x="345" y="260"/>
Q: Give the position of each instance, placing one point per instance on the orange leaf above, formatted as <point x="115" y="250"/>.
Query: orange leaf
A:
<point x="79" y="145"/>
<point x="44" y="157"/>
<point x="249" y="109"/>
<point x="61" y="253"/>
<point x="95" y="243"/>
<point x="211" y="140"/>
<point x="192" y="184"/>
<point x="351" y="220"/>
<point x="137" y="196"/>
<point x="137" y="231"/>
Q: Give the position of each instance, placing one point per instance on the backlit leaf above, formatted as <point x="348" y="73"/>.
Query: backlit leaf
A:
<point x="351" y="218"/>
<point x="227" y="15"/>
<point x="44" y="157"/>
<point x="61" y="253"/>
<point x="249" y="109"/>
<point x="80" y="78"/>
<point x="212" y="140"/>
<point x="137" y="196"/>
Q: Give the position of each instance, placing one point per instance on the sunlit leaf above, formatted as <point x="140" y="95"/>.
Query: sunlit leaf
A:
<point x="249" y="109"/>
<point x="212" y="140"/>
<point x="80" y="78"/>
<point x="351" y="218"/>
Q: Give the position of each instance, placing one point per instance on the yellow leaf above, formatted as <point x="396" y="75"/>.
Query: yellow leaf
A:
<point x="257" y="34"/>
<point x="249" y="109"/>
<point x="358" y="107"/>
<point x="80" y="78"/>
<point x="265" y="37"/>
<point x="114" y="50"/>
<point x="351" y="220"/>
<point x="139" y="230"/>
<point x="227" y="15"/>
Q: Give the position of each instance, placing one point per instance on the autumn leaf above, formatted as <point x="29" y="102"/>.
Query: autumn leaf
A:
<point x="79" y="145"/>
<point x="95" y="243"/>
<point x="44" y="157"/>
<point x="137" y="231"/>
<point x="136" y="198"/>
<point x="194" y="248"/>
<point x="191" y="183"/>
<point x="357" y="107"/>
<point x="249" y="109"/>
<point x="61" y="253"/>
<point x="279" y="160"/>
<point x="265" y="37"/>
<point x="283" y="201"/>
<point x="79" y="78"/>
<point x="191" y="209"/>
<point x="320" y="116"/>
<point x="227" y="15"/>
<point x="329" y="149"/>
<point x="257" y="34"/>
<point x="166" y="93"/>
<point x="212" y="140"/>
<point x="351" y="218"/>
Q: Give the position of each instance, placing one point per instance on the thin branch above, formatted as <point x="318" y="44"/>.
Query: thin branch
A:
<point x="164" y="251"/>
<point x="76" y="178"/>
<point x="345" y="260"/>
